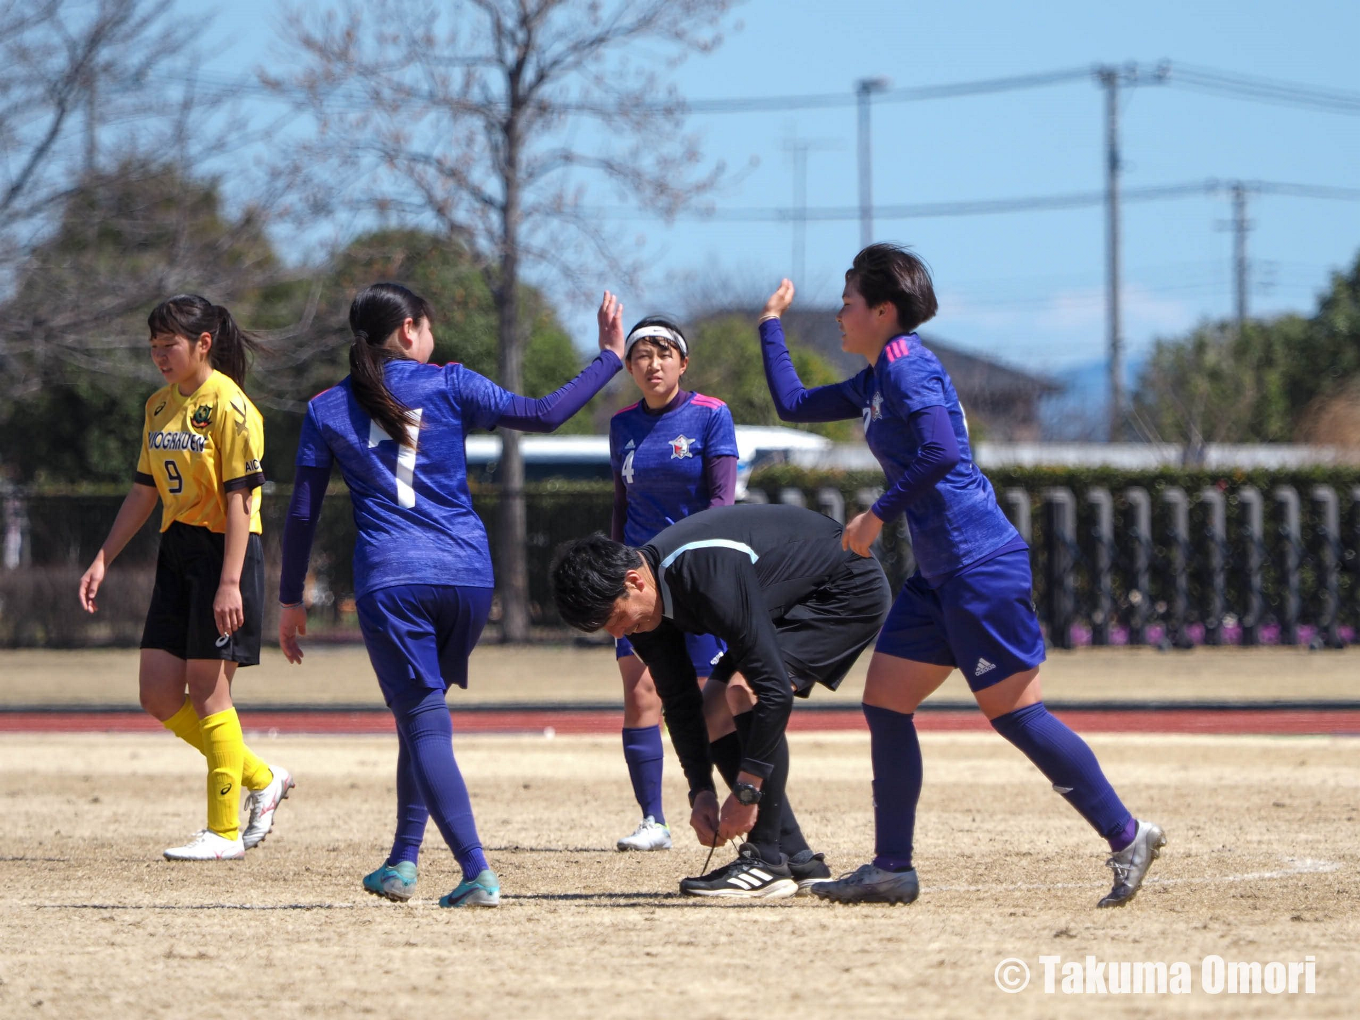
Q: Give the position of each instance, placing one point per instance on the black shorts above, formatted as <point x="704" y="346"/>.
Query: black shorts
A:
<point x="188" y="572"/>
<point x="821" y="637"/>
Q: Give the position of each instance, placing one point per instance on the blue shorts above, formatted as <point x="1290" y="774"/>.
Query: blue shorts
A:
<point x="981" y="620"/>
<point x="419" y="636"/>
<point x="704" y="651"/>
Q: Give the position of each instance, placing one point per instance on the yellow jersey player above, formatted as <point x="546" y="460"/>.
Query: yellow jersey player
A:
<point x="200" y="456"/>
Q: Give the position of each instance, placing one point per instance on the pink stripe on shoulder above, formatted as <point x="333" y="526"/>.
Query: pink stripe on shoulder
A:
<point x="703" y="400"/>
<point x="326" y="390"/>
<point x="625" y="410"/>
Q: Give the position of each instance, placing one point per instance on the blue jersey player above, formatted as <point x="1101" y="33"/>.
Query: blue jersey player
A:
<point x="395" y="427"/>
<point x="674" y="453"/>
<point x="968" y="606"/>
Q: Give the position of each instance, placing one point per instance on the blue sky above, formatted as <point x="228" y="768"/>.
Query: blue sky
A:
<point x="1026" y="287"/>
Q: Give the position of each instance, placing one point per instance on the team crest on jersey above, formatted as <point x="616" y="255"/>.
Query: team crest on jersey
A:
<point x="876" y="407"/>
<point x="680" y="447"/>
<point x="202" y="416"/>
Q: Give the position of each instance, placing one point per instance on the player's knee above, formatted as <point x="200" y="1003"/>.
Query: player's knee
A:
<point x="740" y="698"/>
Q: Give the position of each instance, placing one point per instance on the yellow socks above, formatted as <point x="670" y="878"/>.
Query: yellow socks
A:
<point x="185" y="724"/>
<point x="225" y="750"/>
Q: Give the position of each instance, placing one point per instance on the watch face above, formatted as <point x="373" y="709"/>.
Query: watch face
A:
<point x="748" y="795"/>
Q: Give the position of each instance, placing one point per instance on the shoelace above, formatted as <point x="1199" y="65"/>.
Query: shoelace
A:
<point x="704" y="870"/>
<point x="1120" y="869"/>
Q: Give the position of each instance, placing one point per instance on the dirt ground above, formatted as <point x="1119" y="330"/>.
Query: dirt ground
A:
<point x="1261" y="867"/>
<point x="342" y="675"/>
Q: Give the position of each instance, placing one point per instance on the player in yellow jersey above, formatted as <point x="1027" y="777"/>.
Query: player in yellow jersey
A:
<point x="200" y="456"/>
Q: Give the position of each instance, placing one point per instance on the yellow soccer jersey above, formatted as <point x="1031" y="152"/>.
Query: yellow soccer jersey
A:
<point x="196" y="449"/>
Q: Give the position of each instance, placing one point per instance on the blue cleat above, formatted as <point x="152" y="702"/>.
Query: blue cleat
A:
<point x="392" y="881"/>
<point x="482" y="891"/>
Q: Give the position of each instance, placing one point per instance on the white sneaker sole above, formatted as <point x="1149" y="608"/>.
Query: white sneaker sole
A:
<point x="623" y="846"/>
<point x="782" y="889"/>
<point x="170" y="855"/>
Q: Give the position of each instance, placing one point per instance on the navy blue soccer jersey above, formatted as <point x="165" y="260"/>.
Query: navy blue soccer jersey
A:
<point x="411" y="506"/>
<point x="661" y="461"/>
<point x="957" y="522"/>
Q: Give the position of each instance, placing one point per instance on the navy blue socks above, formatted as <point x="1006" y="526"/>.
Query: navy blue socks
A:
<point x="412" y="815"/>
<point x="896" y="756"/>
<point x="1068" y="763"/>
<point x="426" y="733"/>
<point x="645" y="757"/>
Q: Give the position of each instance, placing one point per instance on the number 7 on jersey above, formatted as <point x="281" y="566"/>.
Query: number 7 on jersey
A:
<point x="406" y="458"/>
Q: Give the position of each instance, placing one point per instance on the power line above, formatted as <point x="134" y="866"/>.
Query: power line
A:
<point x="985" y="207"/>
<point x="1265" y="90"/>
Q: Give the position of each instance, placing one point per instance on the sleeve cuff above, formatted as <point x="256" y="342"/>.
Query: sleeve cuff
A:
<point x="251" y="481"/>
<point x="756" y="768"/>
<point x="138" y="478"/>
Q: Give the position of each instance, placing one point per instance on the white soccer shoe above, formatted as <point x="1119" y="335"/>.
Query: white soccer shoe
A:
<point x="206" y="845"/>
<point x="263" y="804"/>
<point x="649" y="835"/>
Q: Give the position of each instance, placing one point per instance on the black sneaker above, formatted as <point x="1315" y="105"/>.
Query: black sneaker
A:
<point x="808" y="869"/>
<point x="748" y="877"/>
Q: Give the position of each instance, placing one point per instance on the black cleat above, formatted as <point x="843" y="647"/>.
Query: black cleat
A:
<point x="808" y="869"/>
<point x="870" y="884"/>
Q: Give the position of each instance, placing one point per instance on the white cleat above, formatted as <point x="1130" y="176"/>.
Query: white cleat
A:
<point x="263" y="804"/>
<point x="206" y="845"/>
<point x="649" y="835"/>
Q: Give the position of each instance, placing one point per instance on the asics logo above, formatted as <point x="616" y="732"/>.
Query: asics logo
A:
<point x="750" y="879"/>
<point x="222" y="641"/>
<point x="224" y="791"/>
<point x="983" y="666"/>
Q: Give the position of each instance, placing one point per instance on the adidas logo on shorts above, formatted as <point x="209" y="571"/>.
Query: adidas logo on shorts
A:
<point x="983" y="666"/>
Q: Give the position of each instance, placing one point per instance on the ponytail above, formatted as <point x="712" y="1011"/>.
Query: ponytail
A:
<point x="232" y="347"/>
<point x="378" y="312"/>
<point x="190" y="316"/>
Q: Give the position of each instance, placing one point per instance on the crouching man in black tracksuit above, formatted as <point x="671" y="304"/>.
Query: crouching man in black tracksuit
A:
<point x="795" y="609"/>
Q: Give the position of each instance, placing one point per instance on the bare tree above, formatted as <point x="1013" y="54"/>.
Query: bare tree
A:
<point x="108" y="200"/>
<point x="468" y="116"/>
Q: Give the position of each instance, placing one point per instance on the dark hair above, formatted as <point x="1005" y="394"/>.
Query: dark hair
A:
<point x="190" y="316"/>
<point x="663" y="344"/>
<point x="587" y="579"/>
<point x="889" y="272"/>
<point x="376" y="313"/>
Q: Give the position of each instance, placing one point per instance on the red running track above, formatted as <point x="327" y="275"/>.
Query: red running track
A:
<point x="1340" y="722"/>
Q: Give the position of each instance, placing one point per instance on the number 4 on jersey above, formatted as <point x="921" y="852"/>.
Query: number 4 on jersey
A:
<point x="406" y="458"/>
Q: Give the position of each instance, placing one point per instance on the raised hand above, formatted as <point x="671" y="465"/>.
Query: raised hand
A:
<point x="778" y="302"/>
<point x="610" y="320"/>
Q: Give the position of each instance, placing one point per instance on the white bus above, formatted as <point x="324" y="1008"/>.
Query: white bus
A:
<point x="581" y="458"/>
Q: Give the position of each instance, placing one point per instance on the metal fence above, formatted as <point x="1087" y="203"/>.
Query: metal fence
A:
<point x="1164" y="566"/>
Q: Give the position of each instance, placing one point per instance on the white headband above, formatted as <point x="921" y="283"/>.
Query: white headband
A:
<point x="654" y="333"/>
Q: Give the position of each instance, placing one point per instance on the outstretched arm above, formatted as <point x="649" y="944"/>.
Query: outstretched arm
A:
<point x="546" y="414"/>
<point x="792" y="400"/>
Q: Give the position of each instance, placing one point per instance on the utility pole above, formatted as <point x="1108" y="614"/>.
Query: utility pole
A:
<point x="799" y="148"/>
<point x="864" y="88"/>
<point x="91" y="122"/>
<point x="1240" y="225"/>
<point x="1109" y="79"/>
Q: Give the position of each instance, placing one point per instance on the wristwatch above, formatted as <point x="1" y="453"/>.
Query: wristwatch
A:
<point x="746" y="794"/>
